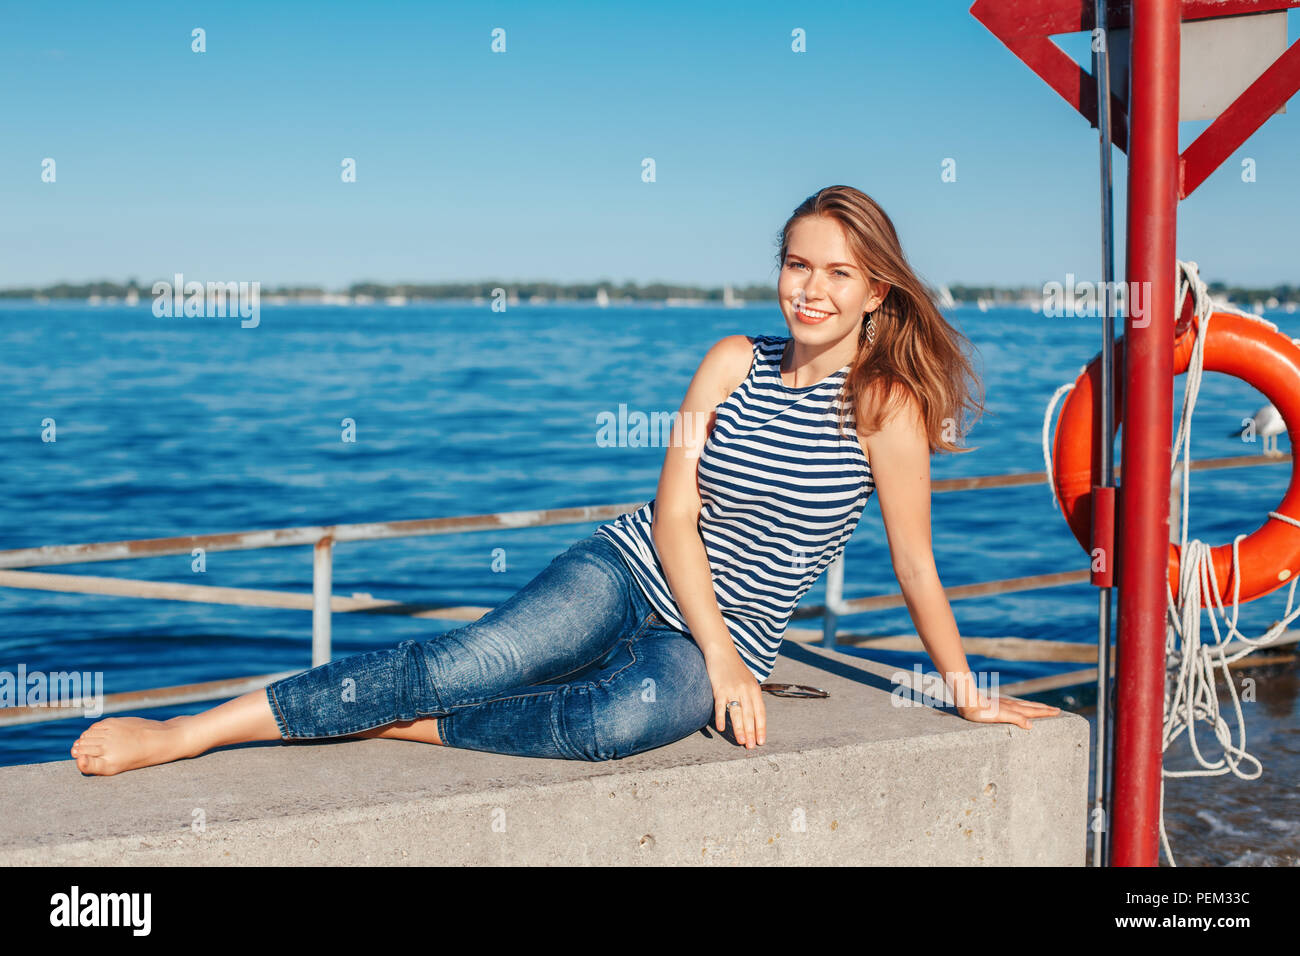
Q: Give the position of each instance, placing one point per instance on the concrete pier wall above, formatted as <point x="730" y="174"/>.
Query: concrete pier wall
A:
<point x="851" y="779"/>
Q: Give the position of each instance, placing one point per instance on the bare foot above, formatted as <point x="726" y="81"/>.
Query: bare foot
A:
<point x="115" y="744"/>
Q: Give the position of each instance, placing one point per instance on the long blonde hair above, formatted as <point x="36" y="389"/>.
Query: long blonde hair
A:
<point x="916" y="350"/>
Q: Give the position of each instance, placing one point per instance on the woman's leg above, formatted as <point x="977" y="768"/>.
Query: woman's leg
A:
<point x="424" y="730"/>
<point x="651" y="689"/>
<point x="115" y="744"/>
<point x="560" y="622"/>
<point x="564" y="620"/>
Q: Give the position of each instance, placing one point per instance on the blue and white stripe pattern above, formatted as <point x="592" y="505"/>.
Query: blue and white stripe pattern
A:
<point x="781" y="495"/>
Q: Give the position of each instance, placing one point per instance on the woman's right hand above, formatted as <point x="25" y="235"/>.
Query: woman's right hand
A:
<point x="732" y="680"/>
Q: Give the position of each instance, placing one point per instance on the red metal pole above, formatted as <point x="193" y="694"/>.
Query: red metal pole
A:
<point x="1148" y="408"/>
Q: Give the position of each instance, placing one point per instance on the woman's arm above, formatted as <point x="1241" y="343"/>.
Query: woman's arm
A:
<point x="681" y="550"/>
<point x="900" y="464"/>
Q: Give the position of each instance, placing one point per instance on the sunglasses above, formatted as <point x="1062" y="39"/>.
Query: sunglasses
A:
<point x="793" y="690"/>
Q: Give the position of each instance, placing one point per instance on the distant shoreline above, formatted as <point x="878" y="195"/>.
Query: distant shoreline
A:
<point x="599" y="294"/>
<point x="346" y="302"/>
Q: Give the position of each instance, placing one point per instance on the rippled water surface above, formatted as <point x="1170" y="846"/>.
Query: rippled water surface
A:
<point x="171" y="427"/>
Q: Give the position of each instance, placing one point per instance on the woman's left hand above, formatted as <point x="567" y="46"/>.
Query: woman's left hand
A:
<point x="1006" y="710"/>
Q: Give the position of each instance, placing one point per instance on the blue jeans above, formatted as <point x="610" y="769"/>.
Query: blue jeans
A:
<point x="576" y="665"/>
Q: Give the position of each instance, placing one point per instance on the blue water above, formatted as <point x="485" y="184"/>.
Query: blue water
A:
<point x="187" y="426"/>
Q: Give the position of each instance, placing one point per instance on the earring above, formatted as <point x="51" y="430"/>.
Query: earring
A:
<point x="869" y="330"/>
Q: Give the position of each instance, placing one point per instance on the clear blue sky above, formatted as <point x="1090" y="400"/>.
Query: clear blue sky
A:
<point x="527" y="165"/>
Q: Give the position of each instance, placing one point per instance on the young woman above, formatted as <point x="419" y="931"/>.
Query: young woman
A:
<point x="671" y="615"/>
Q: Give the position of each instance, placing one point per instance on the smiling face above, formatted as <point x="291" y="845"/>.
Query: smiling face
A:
<point x="820" y="276"/>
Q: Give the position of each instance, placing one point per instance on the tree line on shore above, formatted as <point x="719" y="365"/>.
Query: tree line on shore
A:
<point x="625" y="291"/>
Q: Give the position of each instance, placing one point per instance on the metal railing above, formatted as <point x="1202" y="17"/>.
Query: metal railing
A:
<point x="323" y="603"/>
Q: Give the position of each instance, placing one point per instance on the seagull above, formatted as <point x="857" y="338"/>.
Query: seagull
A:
<point x="1267" y="423"/>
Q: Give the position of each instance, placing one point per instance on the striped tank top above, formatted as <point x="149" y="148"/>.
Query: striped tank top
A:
<point x="781" y="493"/>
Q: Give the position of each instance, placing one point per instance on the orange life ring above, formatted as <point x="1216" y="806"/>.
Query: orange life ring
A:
<point x="1236" y="346"/>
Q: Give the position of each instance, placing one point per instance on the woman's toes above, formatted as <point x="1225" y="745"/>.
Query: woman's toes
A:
<point x="99" y="765"/>
<point x="118" y="744"/>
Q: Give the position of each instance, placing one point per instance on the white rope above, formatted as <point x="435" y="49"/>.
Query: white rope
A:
<point x="1190" y="690"/>
<point x="1189" y="280"/>
<point x="1191" y="693"/>
<point x="1047" y="444"/>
